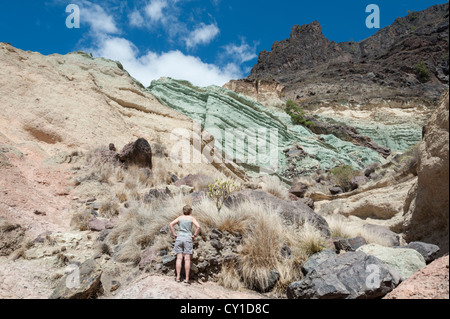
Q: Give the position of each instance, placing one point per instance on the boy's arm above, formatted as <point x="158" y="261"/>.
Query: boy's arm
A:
<point x="171" y="227"/>
<point x="196" y="223"/>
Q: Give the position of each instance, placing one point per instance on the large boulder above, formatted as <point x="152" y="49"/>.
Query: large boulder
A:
<point x="292" y="212"/>
<point x="427" y="206"/>
<point x="137" y="153"/>
<point x="431" y="282"/>
<point x="353" y="275"/>
<point x="406" y="261"/>
<point x="83" y="282"/>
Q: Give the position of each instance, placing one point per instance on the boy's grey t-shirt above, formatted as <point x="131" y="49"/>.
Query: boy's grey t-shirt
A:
<point x="185" y="228"/>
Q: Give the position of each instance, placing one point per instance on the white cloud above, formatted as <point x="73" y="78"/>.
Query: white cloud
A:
<point x="204" y="34"/>
<point x="97" y="18"/>
<point x="154" y="10"/>
<point x="151" y="66"/>
<point x="241" y="53"/>
<point x="135" y="19"/>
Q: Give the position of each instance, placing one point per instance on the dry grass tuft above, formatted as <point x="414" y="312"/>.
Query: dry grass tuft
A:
<point x="274" y="186"/>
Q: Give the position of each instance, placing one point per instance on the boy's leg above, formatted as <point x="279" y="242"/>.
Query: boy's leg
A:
<point x="178" y="266"/>
<point x="187" y="266"/>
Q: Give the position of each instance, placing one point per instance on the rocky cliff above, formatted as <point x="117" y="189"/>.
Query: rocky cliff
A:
<point x="427" y="206"/>
<point x="386" y="65"/>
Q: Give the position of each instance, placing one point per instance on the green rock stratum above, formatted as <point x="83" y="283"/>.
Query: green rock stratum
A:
<point x="266" y="133"/>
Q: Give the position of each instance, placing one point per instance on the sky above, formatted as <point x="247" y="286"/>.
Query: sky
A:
<point x="207" y="42"/>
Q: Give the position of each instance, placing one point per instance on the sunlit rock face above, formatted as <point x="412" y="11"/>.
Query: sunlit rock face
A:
<point x="265" y="133"/>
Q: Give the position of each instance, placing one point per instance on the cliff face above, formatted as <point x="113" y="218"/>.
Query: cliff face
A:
<point x="385" y="66"/>
<point x="427" y="206"/>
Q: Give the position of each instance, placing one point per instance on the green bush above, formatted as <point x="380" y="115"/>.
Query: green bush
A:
<point x="422" y="72"/>
<point x="297" y="114"/>
<point x="342" y="176"/>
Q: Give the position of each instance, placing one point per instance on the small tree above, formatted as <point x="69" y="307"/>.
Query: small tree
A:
<point x="297" y="114"/>
<point x="220" y="191"/>
<point x="422" y="72"/>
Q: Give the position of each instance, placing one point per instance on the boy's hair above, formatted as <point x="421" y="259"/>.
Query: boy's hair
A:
<point x="187" y="210"/>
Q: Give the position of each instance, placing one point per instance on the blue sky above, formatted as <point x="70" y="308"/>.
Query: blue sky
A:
<point x="203" y="41"/>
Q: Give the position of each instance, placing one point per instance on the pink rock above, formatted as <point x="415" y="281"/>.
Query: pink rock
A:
<point x="431" y="282"/>
<point x="96" y="224"/>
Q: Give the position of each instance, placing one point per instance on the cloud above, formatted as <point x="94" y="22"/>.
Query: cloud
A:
<point x="241" y="53"/>
<point x="154" y="10"/>
<point x="136" y="19"/>
<point x="151" y="66"/>
<point x="204" y="34"/>
<point x="97" y="18"/>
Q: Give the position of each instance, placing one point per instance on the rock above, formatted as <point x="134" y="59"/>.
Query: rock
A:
<point x="428" y="251"/>
<point x="169" y="260"/>
<point x="270" y="283"/>
<point x="155" y="194"/>
<point x="286" y="251"/>
<point x="353" y="275"/>
<point x="308" y="202"/>
<point x="427" y="207"/>
<point x="388" y="236"/>
<point x="137" y="153"/>
<point x="357" y="181"/>
<point x="217" y="244"/>
<point x="406" y="261"/>
<point x="316" y="259"/>
<point x="147" y="256"/>
<point x="336" y="190"/>
<point x="369" y="170"/>
<point x="351" y="244"/>
<point x="114" y="285"/>
<point x="431" y="282"/>
<point x="292" y="212"/>
<point x="196" y="181"/>
<point x="85" y="286"/>
<point x="298" y="189"/>
<point x="11" y="237"/>
<point x="99" y="225"/>
<point x="173" y="190"/>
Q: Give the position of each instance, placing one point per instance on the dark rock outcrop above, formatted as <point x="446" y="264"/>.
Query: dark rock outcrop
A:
<point x="384" y="65"/>
<point x="353" y="275"/>
<point x="137" y="153"/>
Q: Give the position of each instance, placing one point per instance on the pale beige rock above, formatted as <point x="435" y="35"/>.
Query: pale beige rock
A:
<point x="268" y="93"/>
<point x="385" y="204"/>
<point x="427" y="205"/>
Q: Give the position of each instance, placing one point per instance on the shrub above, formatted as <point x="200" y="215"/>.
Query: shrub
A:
<point x="342" y="176"/>
<point x="423" y="74"/>
<point x="220" y="191"/>
<point x="297" y="114"/>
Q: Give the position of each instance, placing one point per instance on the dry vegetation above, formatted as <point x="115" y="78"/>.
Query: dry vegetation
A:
<point x="263" y="231"/>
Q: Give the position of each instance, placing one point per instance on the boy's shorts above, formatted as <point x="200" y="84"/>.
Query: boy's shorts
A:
<point x="184" y="245"/>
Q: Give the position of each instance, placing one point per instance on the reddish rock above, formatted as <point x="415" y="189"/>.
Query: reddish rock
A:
<point x="99" y="225"/>
<point x="431" y="282"/>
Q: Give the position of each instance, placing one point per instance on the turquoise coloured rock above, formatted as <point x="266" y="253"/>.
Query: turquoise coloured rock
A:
<point x="253" y="135"/>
